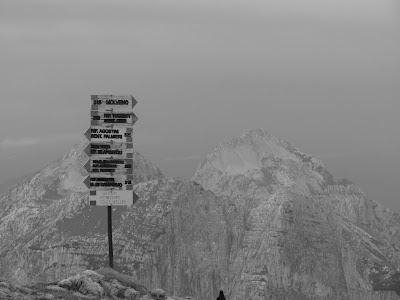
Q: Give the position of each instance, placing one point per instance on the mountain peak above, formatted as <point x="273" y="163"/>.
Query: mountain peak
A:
<point x="251" y="136"/>
<point x="247" y="152"/>
<point x="261" y="220"/>
<point x="68" y="173"/>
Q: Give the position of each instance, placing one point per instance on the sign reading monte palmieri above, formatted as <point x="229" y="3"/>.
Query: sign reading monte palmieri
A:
<point x="110" y="150"/>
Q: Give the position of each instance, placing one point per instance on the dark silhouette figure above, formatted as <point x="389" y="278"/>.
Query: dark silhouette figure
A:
<point x="221" y="295"/>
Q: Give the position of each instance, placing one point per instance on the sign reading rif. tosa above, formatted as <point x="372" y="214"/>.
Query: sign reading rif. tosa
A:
<point x="109" y="150"/>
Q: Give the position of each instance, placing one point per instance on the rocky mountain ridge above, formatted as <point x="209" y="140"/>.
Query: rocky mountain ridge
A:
<point x="32" y="209"/>
<point x="260" y="219"/>
<point x="305" y="234"/>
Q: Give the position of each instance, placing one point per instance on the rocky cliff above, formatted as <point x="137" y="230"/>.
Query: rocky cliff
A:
<point x="34" y="210"/>
<point x="301" y="233"/>
<point x="170" y="238"/>
<point x="261" y="220"/>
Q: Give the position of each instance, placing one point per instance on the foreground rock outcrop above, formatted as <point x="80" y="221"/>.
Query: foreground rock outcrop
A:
<point x="260" y="220"/>
<point x="102" y="284"/>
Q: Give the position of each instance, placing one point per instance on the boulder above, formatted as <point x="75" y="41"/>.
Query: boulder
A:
<point x="157" y="294"/>
<point x="125" y="280"/>
<point x="87" y="283"/>
<point x="131" y="294"/>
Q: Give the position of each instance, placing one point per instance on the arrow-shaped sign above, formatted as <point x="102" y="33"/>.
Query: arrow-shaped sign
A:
<point x="86" y="166"/>
<point x="87" y="182"/>
<point x="112" y="102"/>
<point x="107" y="182"/>
<point x="105" y="165"/>
<point x="121" y="118"/>
<point x="87" y="149"/>
<point x="109" y="150"/>
<point x="114" y="198"/>
<point x="87" y="134"/>
<point x="109" y="134"/>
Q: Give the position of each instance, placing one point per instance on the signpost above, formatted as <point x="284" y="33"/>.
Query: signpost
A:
<point x="110" y="151"/>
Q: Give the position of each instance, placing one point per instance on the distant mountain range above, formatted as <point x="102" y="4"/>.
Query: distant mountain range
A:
<point x="260" y="219"/>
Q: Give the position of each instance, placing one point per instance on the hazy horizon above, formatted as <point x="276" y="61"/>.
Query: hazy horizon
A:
<point x="324" y="76"/>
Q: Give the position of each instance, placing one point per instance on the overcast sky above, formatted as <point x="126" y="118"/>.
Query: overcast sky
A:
<point x="324" y="75"/>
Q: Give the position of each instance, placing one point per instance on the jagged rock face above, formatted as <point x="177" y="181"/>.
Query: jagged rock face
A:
<point x="299" y="232"/>
<point x="170" y="238"/>
<point x="32" y="210"/>
<point x="173" y="237"/>
<point x="272" y="224"/>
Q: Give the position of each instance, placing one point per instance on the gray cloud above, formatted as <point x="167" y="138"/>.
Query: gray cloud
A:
<point x="196" y="11"/>
<point x="20" y="142"/>
<point x="189" y="157"/>
<point x="323" y="73"/>
<point x="10" y="142"/>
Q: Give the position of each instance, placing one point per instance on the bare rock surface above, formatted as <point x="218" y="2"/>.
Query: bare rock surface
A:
<point x="260" y="220"/>
<point x="148" y="238"/>
<point x="110" y="274"/>
<point x="85" y="285"/>
<point x="298" y="231"/>
<point x="53" y="205"/>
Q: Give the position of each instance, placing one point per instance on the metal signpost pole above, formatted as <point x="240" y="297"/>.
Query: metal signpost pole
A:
<point x="110" y="241"/>
<point x="110" y="154"/>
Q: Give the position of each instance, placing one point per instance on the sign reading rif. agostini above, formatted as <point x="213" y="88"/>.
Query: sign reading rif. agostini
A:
<point x="110" y="150"/>
<point x="112" y="133"/>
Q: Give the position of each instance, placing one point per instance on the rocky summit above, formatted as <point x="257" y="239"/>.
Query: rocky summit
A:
<point x="298" y="232"/>
<point x="260" y="220"/>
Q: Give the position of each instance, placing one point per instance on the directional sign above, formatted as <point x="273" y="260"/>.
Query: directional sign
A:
<point x="107" y="182"/>
<point x="120" y="118"/>
<point x="115" y="102"/>
<point x="109" y="134"/>
<point x="105" y="165"/>
<point x="106" y="198"/>
<point x="109" y="150"/>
